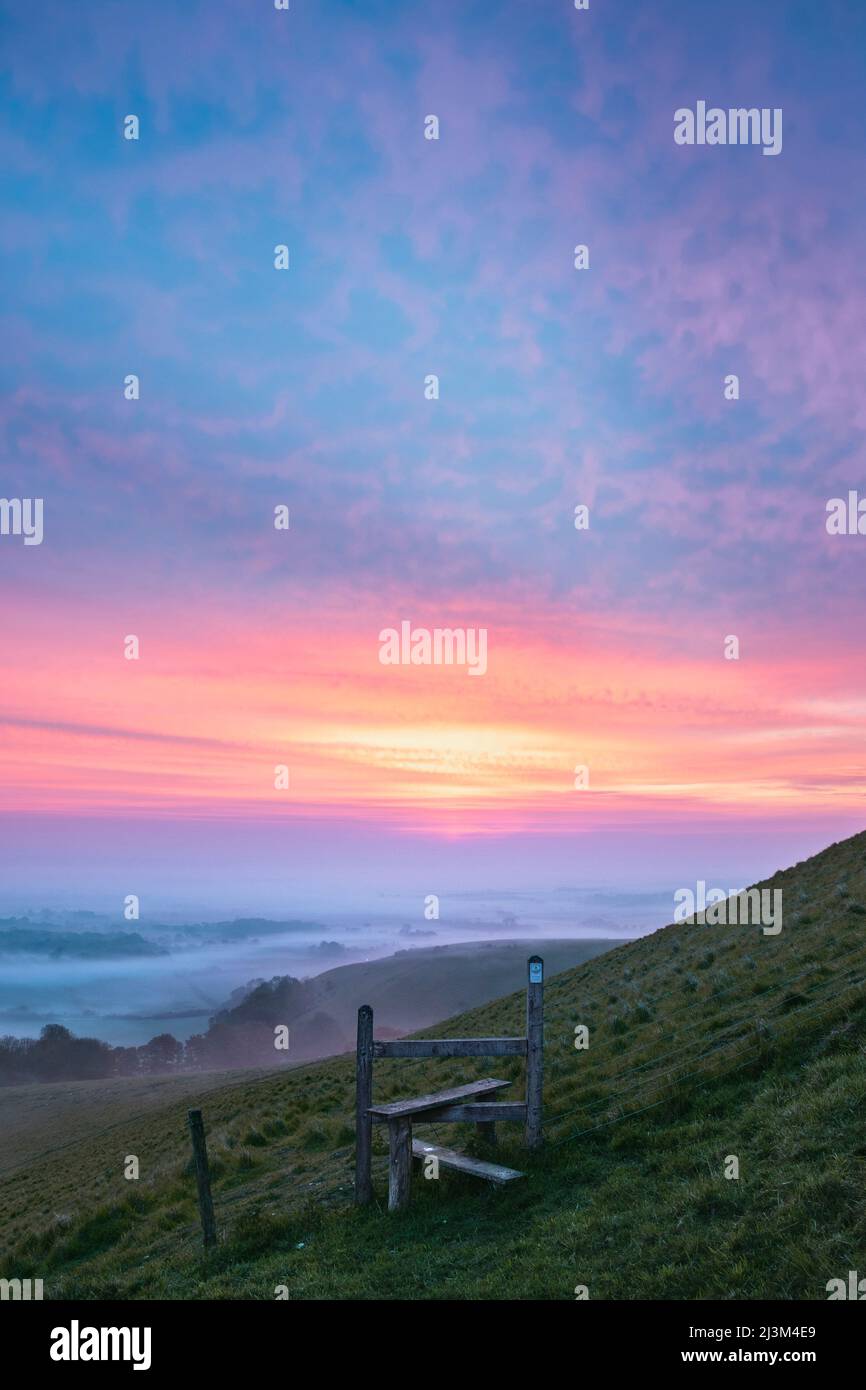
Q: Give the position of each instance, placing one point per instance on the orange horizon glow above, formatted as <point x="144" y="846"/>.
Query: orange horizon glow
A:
<point x="198" y="724"/>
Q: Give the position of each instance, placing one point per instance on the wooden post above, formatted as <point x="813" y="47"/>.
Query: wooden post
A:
<point x="363" y="1101"/>
<point x="534" y="1050"/>
<point x="486" y="1129"/>
<point x="400" y="1163"/>
<point x="202" y="1177"/>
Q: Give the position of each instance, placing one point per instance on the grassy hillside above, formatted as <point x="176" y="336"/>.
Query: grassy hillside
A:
<point x="36" y="1120"/>
<point x="705" y="1042"/>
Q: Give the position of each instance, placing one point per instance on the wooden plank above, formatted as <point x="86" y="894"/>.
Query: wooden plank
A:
<point x="202" y="1177"/>
<point x="451" y="1047"/>
<point x="535" y="1049"/>
<point x="506" y="1110"/>
<point x="363" y="1101"/>
<point x="400" y="1164"/>
<point x="436" y="1099"/>
<point x="479" y="1168"/>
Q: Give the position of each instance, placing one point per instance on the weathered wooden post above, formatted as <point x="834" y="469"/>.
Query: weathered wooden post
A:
<point x="202" y="1177"/>
<point x="400" y="1163"/>
<point x="486" y="1129"/>
<point x="534" y="1050"/>
<point x="363" y="1101"/>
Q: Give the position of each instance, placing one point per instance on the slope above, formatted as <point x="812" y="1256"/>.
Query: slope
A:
<point x="705" y="1043"/>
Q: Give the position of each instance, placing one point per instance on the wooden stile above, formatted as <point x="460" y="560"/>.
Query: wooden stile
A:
<point x="449" y="1158"/>
<point x="534" y="1050"/>
<point x="473" y="1102"/>
<point x="486" y="1128"/>
<point x="400" y="1166"/>
<point x="451" y="1047"/>
<point x="434" y="1100"/>
<point x="488" y="1112"/>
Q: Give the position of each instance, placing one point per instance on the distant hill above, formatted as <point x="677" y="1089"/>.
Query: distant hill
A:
<point x="320" y="1014"/>
<point x="408" y="990"/>
<point x="83" y="945"/>
<point x="92" y="936"/>
<point x="706" y="1044"/>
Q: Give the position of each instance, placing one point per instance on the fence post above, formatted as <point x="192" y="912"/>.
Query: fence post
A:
<point x="534" y="1050"/>
<point x="202" y="1177"/>
<point x="363" y="1101"/>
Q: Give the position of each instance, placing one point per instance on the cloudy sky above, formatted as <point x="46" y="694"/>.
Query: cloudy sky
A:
<point x="305" y="387"/>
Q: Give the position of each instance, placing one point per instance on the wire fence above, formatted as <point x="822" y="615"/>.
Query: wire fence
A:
<point x="816" y="1009"/>
<point x="736" y="1025"/>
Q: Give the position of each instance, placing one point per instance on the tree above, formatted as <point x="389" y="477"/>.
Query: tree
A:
<point x="162" y="1053"/>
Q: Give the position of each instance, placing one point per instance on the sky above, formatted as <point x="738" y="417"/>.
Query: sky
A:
<point x="304" y="388"/>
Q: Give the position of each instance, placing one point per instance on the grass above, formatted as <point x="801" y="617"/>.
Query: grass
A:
<point x="705" y="1042"/>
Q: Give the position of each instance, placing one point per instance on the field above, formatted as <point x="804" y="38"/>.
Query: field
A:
<point x="706" y="1043"/>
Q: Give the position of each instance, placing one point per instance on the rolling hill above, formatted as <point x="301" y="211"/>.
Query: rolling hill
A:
<point x="706" y="1043"/>
<point x="407" y="991"/>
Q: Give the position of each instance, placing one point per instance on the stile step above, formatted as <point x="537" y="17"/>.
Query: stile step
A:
<point x="462" y="1163"/>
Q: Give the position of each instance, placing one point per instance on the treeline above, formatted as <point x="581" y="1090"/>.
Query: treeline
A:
<point x="242" y="1036"/>
<point x="57" y="1055"/>
<point x="80" y="945"/>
